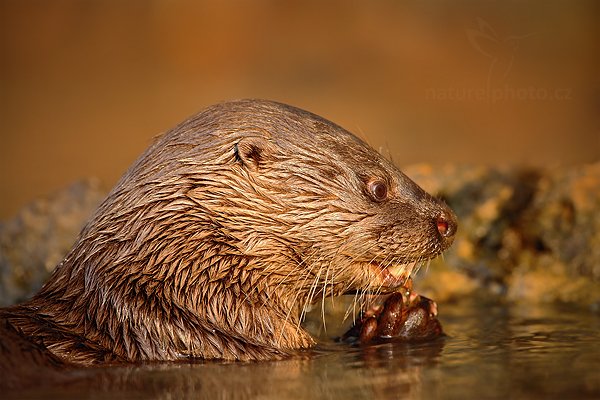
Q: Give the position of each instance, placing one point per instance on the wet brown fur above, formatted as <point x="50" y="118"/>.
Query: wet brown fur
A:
<point x="221" y="233"/>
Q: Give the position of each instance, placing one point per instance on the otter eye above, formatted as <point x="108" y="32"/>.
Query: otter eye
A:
<point x="379" y="190"/>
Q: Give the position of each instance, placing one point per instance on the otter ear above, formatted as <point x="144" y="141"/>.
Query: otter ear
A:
<point x="253" y="152"/>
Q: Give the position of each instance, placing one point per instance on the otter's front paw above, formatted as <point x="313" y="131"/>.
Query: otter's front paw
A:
<point x="407" y="317"/>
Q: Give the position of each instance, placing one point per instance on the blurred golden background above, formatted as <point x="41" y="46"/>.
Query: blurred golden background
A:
<point x="86" y="85"/>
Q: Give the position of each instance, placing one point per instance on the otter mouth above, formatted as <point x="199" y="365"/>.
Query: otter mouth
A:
<point x="390" y="278"/>
<point x="395" y="276"/>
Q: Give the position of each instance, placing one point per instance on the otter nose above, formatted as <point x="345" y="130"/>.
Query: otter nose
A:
<point x="446" y="225"/>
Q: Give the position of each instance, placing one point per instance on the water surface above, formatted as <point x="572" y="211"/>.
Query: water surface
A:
<point x="492" y="352"/>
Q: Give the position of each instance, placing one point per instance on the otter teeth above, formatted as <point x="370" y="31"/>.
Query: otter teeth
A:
<point x="397" y="271"/>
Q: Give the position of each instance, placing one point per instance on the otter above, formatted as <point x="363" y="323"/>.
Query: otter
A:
<point x="219" y="236"/>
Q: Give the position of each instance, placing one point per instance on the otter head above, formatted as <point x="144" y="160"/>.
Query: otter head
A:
<point x="228" y="225"/>
<point x="322" y="207"/>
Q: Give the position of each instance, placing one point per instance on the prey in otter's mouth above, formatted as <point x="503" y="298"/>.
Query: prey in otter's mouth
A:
<point x="217" y="238"/>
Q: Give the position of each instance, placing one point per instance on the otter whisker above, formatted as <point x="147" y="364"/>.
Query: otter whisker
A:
<point x="323" y="297"/>
<point x="298" y="267"/>
<point x="358" y="295"/>
<point x="309" y="298"/>
<point x="296" y="288"/>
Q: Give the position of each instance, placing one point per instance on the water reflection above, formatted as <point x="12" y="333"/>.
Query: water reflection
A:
<point x="492" y="351"/>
